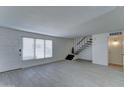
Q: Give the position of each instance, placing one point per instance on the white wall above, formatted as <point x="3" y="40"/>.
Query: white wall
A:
<point x="100" y="49"/>
<point x="10" y="42"/>
<point x="86" y="53"/>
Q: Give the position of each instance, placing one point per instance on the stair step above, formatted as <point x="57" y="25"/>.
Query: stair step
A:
<point x="89" y="41"/>
<point x="69" y="57"/>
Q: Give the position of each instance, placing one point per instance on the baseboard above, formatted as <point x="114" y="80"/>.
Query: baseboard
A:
<point x="115" y="65"/>
<point x="83" y="60"/>
<point x="42" y="64"/>
<point x="30" y="66"/>
<point x="10" y="70"/>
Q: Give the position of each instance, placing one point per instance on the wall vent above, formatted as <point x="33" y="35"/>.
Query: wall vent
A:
<point x="116" y="33"/>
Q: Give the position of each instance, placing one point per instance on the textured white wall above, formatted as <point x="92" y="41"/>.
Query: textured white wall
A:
<point x="10" y="42"/>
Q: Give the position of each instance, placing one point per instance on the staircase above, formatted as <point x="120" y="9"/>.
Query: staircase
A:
<point x="82" y="44"/>
<point x="79" y="45"/>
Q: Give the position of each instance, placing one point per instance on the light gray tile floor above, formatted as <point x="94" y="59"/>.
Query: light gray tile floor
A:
<point x="63" y="74"/>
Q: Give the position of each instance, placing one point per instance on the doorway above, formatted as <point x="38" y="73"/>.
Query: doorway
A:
<point x="116" y="52"/>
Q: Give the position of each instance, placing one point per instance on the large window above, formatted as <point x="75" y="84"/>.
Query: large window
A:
<point x="48" y="48"/>
<point x="28" y="48"/>
<point x="36" y="48"/>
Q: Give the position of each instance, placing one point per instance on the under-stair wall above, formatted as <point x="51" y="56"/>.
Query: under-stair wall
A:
<point x="86" y="54"/>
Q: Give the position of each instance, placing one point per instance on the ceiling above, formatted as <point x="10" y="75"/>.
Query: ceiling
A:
<point x="63" y="21"/>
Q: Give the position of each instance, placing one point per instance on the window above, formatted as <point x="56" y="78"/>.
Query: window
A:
<point x="39" y="48"/>
<point x="48" y="48"/>
<point x="36" y="48"/>
<point x="28" y="48"/>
